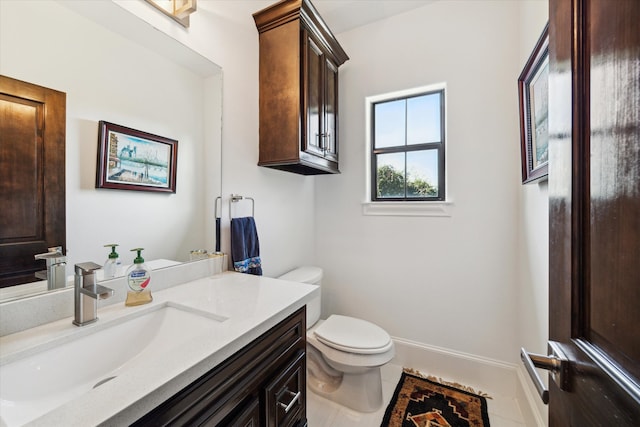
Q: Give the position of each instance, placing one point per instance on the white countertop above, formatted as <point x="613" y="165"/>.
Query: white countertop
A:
<point x="251" y="304"/>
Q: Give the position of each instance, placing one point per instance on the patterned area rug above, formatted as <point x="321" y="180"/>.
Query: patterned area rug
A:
<point x="421" y="402"/>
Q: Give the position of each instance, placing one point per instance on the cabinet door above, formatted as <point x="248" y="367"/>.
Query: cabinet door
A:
<point x="330" y="131"/>
<point x="285" y="396"/>
<point x="313" y="103"/>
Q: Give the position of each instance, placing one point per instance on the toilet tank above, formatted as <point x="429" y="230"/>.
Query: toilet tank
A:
<point x="313" y="276"/>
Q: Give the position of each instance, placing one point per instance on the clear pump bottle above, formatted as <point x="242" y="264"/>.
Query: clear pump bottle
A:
<point x="112" y="264"/>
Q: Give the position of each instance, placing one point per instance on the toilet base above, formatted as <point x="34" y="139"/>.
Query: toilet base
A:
<point x="361" y="392"/>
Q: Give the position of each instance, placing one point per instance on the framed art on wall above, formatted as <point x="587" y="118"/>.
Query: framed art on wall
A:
<point x="130" y="159"/>
<point x="533" y="91"/>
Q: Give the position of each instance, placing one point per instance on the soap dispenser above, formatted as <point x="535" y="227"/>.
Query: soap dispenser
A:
<point x="138" y="278"/>
<point x="113" y="262"/>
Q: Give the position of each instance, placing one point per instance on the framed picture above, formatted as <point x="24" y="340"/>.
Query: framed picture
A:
<point x="130" y="159"/>
<point x="533" y="90"/>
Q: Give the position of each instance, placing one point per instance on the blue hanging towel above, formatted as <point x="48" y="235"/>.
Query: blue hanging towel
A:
<point x="245" y="248"/>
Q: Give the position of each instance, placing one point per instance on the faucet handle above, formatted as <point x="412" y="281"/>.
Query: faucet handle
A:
<point x="85" y="268"/>
<point x="53" y="256"/>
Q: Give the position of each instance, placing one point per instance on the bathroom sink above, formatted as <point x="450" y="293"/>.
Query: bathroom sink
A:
<point x="65" y="370"/>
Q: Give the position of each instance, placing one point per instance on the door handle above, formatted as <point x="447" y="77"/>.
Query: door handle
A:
<point x="556" y="363"/>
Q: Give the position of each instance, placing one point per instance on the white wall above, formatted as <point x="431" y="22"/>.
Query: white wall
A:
<point x="474" y="282"/>
<point x="284" y="203"/>
<point x="107" y="77"/>
<point x="488" y="262"/>
<point x="449" y="282"/>
<point x="533" y="266"/>
<point x="534" y="218"/>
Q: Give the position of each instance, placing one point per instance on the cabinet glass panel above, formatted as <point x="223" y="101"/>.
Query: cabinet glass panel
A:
<point x="331" y="106"/>
<point x="314" y="100"/>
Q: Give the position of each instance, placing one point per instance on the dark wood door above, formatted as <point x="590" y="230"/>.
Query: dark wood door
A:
<point x="594" y="207"/>
<point x="32" y="177"/>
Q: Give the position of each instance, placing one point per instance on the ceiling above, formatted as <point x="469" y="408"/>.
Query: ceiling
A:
<point x="344" y="15"/>
<point x="340" y="15"/>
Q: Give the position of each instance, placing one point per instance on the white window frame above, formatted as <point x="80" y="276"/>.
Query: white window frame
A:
<point x="404" y="208"/>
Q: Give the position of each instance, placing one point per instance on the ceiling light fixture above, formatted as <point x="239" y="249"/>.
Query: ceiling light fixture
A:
<point x="178" y="10"/>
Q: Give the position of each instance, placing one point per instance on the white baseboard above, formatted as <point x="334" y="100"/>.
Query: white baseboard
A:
<point x="531" y="406"/>
<point x="483" y="374"/>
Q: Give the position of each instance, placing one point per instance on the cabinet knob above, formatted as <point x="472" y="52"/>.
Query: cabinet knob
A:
<point x="295" y="398"/>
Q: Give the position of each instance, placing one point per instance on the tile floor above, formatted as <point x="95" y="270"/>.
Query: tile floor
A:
<point x="503" y="411"/>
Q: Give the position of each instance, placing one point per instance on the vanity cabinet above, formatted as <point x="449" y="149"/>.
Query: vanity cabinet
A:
<point x="299" y="60"/>
<point x="263" y="384"/>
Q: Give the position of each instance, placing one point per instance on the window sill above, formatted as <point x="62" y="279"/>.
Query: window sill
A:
<point x="407" y="208"/>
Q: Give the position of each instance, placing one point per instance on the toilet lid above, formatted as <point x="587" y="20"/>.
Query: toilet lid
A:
<point x="353" y="335"/>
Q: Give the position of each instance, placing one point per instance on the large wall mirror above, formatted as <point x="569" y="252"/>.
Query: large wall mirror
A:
<point x="115" y="67"/>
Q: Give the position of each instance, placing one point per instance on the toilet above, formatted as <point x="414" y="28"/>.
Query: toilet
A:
<point x="344" y="354"/>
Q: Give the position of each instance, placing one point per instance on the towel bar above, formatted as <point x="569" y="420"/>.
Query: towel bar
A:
<point x="217" y="214"/>
<point x="218" y="217"/>
<point x="236" y="198"/>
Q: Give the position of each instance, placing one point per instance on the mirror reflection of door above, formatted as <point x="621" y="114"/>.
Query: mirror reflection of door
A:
<point x="32" y="177"/>
<point x="594" y="208"/>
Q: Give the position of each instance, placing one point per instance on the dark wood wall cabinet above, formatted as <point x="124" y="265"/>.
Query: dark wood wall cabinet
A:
<point x="299" y="60"/>
<point x="263" y="384"/>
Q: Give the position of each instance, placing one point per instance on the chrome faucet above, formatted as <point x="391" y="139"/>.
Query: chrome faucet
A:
<point x="87" y="293"/>
<point x="55" y="274"/>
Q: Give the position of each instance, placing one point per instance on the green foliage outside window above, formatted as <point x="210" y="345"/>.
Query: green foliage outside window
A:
<point x="391" y="183"/>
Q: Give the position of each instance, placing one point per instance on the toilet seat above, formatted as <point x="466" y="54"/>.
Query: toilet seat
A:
<point x="347" y="360"/>
<point x="353" y="335"/>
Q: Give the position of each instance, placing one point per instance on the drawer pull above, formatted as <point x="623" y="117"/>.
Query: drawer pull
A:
<point x="296" y="397"/>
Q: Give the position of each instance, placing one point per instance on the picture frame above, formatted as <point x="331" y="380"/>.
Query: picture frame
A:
<point x="533" y="92"/>
<point x="130" y="159"/>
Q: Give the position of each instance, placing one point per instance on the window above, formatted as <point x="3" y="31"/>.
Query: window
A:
<point x="407" y="146"/>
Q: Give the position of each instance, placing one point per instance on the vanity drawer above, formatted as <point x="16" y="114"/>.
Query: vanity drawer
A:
<point x="248" y="416"/>
<point x="285" y="397"/>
